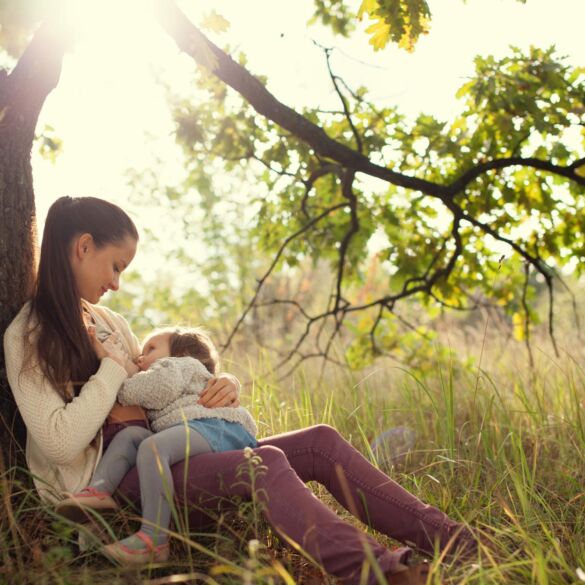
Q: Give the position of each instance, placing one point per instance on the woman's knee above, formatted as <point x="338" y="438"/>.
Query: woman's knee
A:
<point x="270" y="455"/>
<point x="325" y="436"/>
<point x="267" y="467"/>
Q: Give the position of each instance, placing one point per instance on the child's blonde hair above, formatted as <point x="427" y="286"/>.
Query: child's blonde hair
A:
<point x="194" y="342"/>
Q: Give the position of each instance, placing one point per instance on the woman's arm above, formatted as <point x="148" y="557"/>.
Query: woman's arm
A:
<point x="222" y="390"/>
<point x="62" y="430"/>
<point x="115" y="322"/>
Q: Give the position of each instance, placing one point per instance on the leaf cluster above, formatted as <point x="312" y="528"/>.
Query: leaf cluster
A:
<point x="447" y="249"/>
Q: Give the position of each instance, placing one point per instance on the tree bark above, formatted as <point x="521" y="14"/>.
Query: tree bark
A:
<point x="22" y="95"/>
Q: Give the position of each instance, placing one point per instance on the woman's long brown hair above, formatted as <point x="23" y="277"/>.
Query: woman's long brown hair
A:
<point x="62" y="345"/>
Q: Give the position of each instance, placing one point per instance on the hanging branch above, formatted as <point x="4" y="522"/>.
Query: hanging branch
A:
<point x="310" y="182"/>
<point x="347" y="113"/>
<point x="527" y="313"/>
<point x="262" y="280"/>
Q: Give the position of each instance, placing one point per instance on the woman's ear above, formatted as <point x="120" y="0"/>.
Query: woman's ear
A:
<point x="83" y="245"/>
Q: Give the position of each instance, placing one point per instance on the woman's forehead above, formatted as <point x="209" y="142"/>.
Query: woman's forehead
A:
<point x="126" y="249"/>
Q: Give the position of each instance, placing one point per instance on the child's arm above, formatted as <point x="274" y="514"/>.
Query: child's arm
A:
<point x="112" y="344"/>
<point x="155" y="388"/>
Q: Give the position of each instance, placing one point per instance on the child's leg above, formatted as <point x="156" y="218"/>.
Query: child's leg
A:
<point x="118" y="459"/>
<point x="156" y="455"/>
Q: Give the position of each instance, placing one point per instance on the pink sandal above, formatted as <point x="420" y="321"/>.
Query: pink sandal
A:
<point x="76" y="507"/>
<point x="124" y="555"/>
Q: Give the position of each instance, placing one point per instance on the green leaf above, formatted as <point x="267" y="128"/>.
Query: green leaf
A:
<point x="215" y="22"/>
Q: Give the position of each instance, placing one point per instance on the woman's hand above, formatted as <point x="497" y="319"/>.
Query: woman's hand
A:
<point x="131" y="367"/>
<point x="223" y="390"/>
<point x="103" y="351"/>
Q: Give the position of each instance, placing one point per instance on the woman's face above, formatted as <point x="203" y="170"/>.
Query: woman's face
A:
<point x="97" y="270"/>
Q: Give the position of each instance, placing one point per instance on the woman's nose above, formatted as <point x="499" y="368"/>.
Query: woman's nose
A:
<point x="115" y="283"/>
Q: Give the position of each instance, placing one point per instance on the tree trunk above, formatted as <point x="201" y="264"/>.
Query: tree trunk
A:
<point x="22" y="94"/>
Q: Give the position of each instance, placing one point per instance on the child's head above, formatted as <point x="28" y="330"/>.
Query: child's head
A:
<point x="179" y="342"/>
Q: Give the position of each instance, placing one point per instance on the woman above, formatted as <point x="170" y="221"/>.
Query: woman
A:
<point x="65" y="395"/>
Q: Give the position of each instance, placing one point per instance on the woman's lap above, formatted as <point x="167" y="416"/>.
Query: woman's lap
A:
<point x="209" y="480"/>
<point x="215" y="482"/>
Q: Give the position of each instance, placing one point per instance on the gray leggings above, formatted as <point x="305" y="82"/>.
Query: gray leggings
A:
<point x="153" y="454"/>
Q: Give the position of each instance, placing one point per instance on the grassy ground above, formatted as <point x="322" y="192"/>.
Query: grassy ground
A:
<point x="503" y="450"/>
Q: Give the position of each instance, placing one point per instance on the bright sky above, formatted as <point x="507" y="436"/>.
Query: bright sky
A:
<point x="111" y="112"/>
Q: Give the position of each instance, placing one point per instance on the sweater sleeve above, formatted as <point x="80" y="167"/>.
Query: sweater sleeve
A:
<point x="155" y="388"/>
<point x="61" y="429"/>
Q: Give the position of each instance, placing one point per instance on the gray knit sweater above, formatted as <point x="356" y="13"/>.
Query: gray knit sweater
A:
<point x="169" y="391"/>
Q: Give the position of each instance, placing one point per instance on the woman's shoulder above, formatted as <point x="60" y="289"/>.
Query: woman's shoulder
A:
<point x="20" y="324"/>
<point x="17" y="337"/>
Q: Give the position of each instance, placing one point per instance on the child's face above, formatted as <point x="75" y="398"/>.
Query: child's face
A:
<point x="155" y="347"/>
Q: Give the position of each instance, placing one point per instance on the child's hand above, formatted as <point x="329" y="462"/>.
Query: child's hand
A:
<point x="103" y="350"/>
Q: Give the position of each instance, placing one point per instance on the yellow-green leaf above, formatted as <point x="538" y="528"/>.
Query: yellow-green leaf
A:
<point x="518" y="323"/>
<point x="215" y="22"/>
<point x="380" y="32"/>
<point x="367" y="6"/>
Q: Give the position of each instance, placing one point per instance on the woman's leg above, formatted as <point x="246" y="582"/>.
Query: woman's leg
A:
<point x="118" y="459"/>
<point x="321" y="454"/>
<point x="294" y="512"/>
<point x="156" y="455"/>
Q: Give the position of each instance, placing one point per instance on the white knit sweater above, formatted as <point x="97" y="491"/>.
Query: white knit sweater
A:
<point x="60" y="448"/>
<point x="169" y="391"/>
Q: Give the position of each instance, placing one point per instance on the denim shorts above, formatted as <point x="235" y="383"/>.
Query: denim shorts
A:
<point x="223" y="435"/>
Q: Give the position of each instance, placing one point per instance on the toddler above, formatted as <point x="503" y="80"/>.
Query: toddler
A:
<point x="174" y="368"/>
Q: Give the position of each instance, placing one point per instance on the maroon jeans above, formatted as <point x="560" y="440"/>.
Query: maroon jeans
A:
<point x="317" y="453"/>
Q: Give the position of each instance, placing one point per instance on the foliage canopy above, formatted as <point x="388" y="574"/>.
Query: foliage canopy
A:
<point x="503" y="179"/>
<point x="445" y="201"/>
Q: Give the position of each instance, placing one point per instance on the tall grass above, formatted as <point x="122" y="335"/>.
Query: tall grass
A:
<point x="501" y="448"/>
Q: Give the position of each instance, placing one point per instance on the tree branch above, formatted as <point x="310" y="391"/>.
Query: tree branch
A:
<point x="317" y="174"/>
<point x="527" y="313"/>
<point x="335" y="157"/>
<point x="569" y="172"/>
<point x="193" y="42"/>
<point x="261" y="282"/>
<point x="347" y="113"/>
